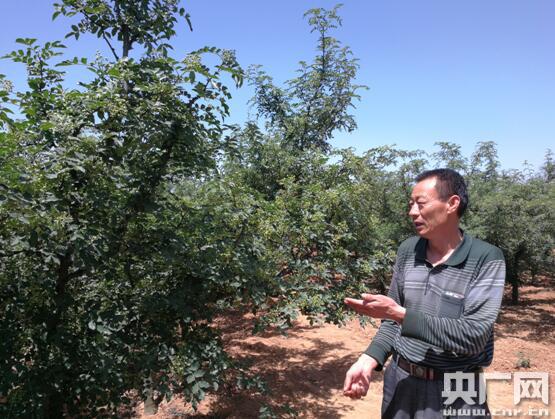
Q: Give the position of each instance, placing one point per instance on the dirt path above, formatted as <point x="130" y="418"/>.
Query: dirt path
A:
<point x="306" y="369"/>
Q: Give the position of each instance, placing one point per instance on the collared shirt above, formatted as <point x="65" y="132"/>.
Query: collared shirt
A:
<point x="450" y="308"/>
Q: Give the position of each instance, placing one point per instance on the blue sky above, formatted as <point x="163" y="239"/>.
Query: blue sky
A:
<point x="459" y="71"/>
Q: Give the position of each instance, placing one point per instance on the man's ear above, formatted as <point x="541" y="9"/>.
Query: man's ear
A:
<point x="453" y="204"/>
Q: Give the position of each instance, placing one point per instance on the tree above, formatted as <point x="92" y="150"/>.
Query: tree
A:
<point x="108" y="277"/>
<point x="548" y="168"/>
<point x="320" y="228"/>
<point x="306" y="113"/>
<point x="512" y="210"/>
<point x="129" y="224"/>
<point x="450" y="156"/>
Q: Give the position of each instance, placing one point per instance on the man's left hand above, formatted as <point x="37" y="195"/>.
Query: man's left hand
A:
<point x="377" y="306"/>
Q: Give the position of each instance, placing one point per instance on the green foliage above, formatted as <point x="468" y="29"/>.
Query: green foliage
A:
<point x="149" y="24"/>
<point x="286" y="411"/>
<point x="548" y="168"/>
<point x="132" y="216"/>
<point x="322" y="233"/>
<point x="316" y="103"/>
<point x="107" y="282"/>
<point x="523" y="361"/>
<point x="513" y="210"/>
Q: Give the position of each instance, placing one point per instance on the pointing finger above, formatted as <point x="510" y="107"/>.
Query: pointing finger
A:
<point x="353" y="301"/>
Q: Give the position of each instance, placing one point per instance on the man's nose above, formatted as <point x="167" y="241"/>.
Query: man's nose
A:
<point x="414" y="211"/>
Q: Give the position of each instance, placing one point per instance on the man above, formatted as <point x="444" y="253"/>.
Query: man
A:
<point x="442" y="304"/>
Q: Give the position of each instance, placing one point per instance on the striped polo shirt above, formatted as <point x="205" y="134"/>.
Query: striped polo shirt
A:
<point x="450" y="308"/>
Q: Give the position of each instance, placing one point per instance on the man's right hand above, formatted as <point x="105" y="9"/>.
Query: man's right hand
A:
<point x="357" y="380"/>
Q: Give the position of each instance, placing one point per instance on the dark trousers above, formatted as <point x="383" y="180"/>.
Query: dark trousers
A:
<point x="408" y="397"/>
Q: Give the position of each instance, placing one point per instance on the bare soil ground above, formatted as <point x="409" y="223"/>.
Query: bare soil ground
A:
<point x="305" y="370"/>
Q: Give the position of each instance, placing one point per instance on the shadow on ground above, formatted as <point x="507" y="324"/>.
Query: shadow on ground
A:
<point x="533" y="318"/>
<point x="302" y="371"/>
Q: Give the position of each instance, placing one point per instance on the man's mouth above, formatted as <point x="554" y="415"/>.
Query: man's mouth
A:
<point x="417" y="225"/>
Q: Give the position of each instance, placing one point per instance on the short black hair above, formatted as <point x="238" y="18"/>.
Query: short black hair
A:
<point x="449" y="182"/>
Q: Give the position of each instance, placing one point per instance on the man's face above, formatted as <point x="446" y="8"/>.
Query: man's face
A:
<point x="427" y="211"/>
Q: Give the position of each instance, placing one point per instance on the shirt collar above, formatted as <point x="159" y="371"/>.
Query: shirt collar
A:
<point x="457" y="257"/>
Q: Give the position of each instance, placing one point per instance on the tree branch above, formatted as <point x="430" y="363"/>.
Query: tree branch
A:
<point x="110" y="45"/>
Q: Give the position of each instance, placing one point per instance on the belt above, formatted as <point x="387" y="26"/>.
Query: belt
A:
<point x="420" y="371"/>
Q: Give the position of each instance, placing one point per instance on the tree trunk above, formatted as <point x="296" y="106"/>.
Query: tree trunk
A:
<point x="513" y="275"/>
<point x="514" y="293"/>
<point x="151" y="408"/>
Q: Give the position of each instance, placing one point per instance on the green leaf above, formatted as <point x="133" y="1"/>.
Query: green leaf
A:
<point x="203" y="384"/>
<point x="114" y="72"/>
<point x="26" y="41"/>
<point x="189" y="23"/>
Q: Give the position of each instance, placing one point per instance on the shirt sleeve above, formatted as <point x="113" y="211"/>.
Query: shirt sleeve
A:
<point x="470" y="333"/>
<point x="382" y="345"/>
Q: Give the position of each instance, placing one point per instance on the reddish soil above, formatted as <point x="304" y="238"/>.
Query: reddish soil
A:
<point x="305" y="370"/>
